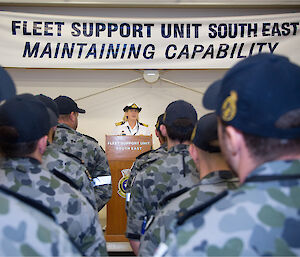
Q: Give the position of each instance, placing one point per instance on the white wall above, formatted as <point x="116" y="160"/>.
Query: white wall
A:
<point x="104" y="109"/>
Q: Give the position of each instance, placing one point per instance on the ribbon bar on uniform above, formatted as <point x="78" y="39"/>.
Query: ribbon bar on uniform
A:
<point x="102" y="180"/>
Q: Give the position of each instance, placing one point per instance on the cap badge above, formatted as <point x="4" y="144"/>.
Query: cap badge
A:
<point x="134" y="106"/>
<point x="229" y="106"/>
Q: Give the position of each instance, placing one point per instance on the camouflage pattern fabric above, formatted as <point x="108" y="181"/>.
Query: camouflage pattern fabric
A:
<point x="54" y="161"/>
<point x="27" y="231"/>
<point x="174" y="171"/>
<point x="209" y="186"/>
<point x="140" y="164"/>
<point x="92" y="155"/>
<point x="261" y="218"/>
<point x="71" y="209"/>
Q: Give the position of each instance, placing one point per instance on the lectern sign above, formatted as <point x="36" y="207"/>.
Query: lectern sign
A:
<point x="126" y="147"/>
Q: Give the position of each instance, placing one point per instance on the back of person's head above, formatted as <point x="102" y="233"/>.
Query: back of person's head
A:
<point x="23" y="121"/>
<point x="51" y="106"/>
<point x="66" y="105"/>
<point x="7" y="86"/>
<point x="259" y="96"/>
<point x="160" y="121"/>
<point x="180" y="118"/>
<point x="205" y="134"/>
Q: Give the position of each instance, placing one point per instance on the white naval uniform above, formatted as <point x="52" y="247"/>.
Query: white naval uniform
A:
<point x="125" y="129"/>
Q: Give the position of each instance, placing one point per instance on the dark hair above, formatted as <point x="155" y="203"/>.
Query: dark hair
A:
<point x="264" y="149"/>
<point x="8" y="146"/>
<point x="181" y="129"/>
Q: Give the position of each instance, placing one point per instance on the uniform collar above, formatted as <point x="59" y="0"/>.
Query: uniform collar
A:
<point x="179" y="148"/>
<point x="217" y="177"/>
<point x="279" y="167"/>
<point x="20" y="164"/>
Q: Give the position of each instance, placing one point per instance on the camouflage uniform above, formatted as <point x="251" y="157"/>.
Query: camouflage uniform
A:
<point x="64" y="166"/>
<point x="71" y="209"/>
<point x="28" y="230"/>
<point x="87" y="149"/>
<point x="260" y="218"/>
<point x="141" y="163"/>
<point x="172" y="172"/>
<point x="210" y="185"/>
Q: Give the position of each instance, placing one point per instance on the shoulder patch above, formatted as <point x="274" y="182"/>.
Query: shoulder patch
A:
<point x="91" y="138"/>
<point x="119" y="123"/>
<point x="143" y="124"/>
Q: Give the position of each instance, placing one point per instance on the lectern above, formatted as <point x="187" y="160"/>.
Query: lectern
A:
<point x="121" y="152"/>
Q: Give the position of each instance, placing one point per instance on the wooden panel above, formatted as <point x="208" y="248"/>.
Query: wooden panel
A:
<point x="121" y="159"/>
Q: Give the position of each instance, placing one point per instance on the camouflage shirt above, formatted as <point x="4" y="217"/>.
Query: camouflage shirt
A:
<point x="26" y="230"/>
<point x="71" y="209"/>
<point x="172" y="172"/>
<point x="209" y="186"/>
<point x="142" y="161"/>
<point x="62" y="166"/>
<point x="93" y="157"/>
<point x="261" y="218"/>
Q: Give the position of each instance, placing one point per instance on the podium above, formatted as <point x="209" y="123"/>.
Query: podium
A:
<point x="121" y="152"/>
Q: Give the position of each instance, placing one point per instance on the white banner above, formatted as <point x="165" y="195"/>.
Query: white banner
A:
<point x="49" y="41"/>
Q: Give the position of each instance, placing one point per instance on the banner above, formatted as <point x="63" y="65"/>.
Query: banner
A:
<point x="50" y="41"/>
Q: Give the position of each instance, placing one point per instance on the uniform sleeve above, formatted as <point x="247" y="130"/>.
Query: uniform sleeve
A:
<point x="101" y="179"/>
<point x="136" y="209"/>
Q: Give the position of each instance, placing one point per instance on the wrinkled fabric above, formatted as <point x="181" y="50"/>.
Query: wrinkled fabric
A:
<point x="91" y="154"/>
<point x="209" y="186"/>
<point x="258" y="219"/>
<point x="53" y="160"/>
<point x="71" y="209"/>
<point x="32" y="233"/>
<point x="172" y="172"/>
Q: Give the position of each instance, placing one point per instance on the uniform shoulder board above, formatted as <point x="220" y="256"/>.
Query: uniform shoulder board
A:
<point x="74" y="157"/>
<point x="143" y="124"/>
<point x="28" y="201"/>
<point x="170" y="197"/>
<point x="119" y="123"/>
<point x="183" y="216"/>
<point x="143" y="154"/>
<point x="91" y="138"/>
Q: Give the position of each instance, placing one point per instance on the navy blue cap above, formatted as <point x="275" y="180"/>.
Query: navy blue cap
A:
<point x="66" y="105"/>
<point x="52" y="108"/>
<point x="205" y="133"/>
<point x="7" y="86"/>
<point x="255" y="93"/>
<point x="179" y="109"/>
<point x="160" y="121"/>
<point x="27" y="115"/>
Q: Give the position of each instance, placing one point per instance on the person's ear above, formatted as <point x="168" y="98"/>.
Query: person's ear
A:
<point x="233" y="140"/>
<point x="72" y="116"/>
<point x="163" y="130"/>
<point x="193" y="152"/>
<point x="42" y="144"/>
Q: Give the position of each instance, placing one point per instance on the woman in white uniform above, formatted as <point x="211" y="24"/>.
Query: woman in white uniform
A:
<point x="130" y="125"/>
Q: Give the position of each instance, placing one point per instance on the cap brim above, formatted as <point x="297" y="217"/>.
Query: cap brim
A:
<point x="80" y="110"/>
<point x="210" y="97"/>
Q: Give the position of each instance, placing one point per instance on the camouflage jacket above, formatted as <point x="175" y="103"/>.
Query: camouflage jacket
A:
<point x="27" y="230"/>
<point x="171" y="173"/>
<point x="93" y="157"/>
<point x="140" y="164"/>
<point x="211" y="185"/>
<point x="63" y="166"/>
<point x="258" y="219"/>
<point x="71" y="209"/>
